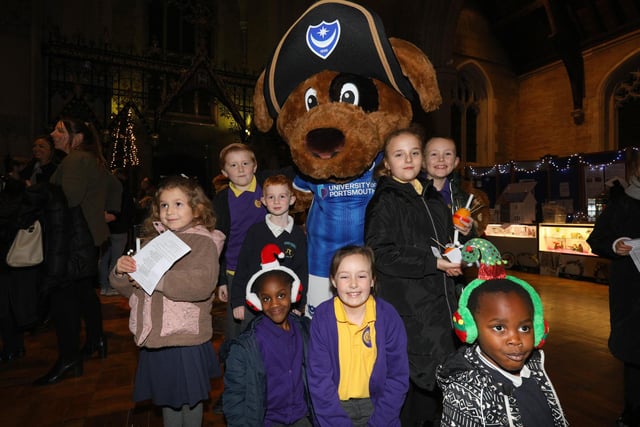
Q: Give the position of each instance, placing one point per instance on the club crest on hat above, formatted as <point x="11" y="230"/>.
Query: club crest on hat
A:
<point x="323" y="38"/>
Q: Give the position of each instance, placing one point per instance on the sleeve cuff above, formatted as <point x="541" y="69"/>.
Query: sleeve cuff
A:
<point x="615" y="242"/>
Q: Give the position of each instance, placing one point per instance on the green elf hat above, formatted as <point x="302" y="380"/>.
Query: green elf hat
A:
<point x="491" y="267"/>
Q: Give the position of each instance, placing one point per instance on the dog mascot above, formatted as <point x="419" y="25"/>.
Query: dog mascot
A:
<point x="336" y="86"/>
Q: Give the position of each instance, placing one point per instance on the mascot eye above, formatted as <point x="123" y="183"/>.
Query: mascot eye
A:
<point x="310" y="98"/>
<point x="349" y="93"/>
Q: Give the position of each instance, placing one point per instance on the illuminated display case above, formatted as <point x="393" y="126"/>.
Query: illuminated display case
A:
<point x="511" y="230"/>
<point x="564" y="252"/>
<point x="517" y="244"/>
<point x="565" y="238"/>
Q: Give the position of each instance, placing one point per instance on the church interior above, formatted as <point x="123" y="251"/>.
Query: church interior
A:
<point x="532" y="90"/>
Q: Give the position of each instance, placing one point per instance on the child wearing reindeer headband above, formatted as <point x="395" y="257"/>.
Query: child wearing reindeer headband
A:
<point x="499" y="378"/>
<point x="264" y="379"/>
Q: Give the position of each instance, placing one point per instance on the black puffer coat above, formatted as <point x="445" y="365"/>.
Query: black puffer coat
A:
<point x="402" y="227"/>
<point x="10" y="199"/>
<point x="67" y="243"/>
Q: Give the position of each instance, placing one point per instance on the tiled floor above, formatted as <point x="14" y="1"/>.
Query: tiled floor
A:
<point x="587" y="378"/>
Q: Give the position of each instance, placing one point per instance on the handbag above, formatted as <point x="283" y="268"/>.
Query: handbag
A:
<point x="26" y="249"/>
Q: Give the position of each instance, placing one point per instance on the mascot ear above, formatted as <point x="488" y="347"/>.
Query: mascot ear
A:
<point x="261" y="117"/>
<point x="418" y="69"/>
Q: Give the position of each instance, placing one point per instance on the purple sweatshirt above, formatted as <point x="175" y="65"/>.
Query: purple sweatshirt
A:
<point x="389" y="380"/>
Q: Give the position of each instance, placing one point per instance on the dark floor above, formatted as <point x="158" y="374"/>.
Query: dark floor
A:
<point x="587" y="378"/>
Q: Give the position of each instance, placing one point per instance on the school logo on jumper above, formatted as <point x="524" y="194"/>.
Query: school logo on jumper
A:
<point x="289" y="249"/>
<point x="323" y="38"/>
<point x="366" y="337"/>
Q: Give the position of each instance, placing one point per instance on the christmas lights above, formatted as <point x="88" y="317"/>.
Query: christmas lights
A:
<point x="544" y="163"/>
<point x="124" y="151"/>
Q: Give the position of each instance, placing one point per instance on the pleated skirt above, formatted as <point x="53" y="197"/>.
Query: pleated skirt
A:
<point x="176" y="376"/>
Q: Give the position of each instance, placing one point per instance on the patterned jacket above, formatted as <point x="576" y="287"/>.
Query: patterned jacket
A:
<point x="472" y="398"/>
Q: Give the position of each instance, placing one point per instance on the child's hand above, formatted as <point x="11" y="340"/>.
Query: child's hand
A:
<point x="223" y="293"/>
<point x="238" y="313"/>
<point x="452" y="269"/>
<point x="125" y="264"/>
<point x="465" y="225"/>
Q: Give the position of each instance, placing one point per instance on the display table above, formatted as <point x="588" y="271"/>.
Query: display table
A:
<point x="564" y="252"/>
<point x="517" y="244"/>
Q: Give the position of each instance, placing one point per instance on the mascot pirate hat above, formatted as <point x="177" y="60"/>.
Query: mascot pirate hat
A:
<point x="334" y="35"/>
<point x="491" y="268"/>
<point x="269" y="262"/>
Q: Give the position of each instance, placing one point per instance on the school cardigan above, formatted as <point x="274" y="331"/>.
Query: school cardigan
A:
<point x="389" y="380"/>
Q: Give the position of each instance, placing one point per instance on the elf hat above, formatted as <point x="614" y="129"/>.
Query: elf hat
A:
<point x="491" y="268"/>
<point x="269" y="262"/>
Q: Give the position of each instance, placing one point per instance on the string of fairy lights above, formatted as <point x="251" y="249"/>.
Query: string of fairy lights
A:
<point x="546" y="163"/>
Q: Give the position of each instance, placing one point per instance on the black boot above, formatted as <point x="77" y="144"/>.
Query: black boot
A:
<point x="60" y="370"/>
<point x="96" y="346"/>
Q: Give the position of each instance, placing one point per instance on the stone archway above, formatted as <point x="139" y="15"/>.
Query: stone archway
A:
<point x="620" y="89"/>
<point x="471" y="112"/>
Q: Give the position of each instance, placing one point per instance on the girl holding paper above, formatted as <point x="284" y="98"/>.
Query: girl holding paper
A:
<point x="173" y="325"/>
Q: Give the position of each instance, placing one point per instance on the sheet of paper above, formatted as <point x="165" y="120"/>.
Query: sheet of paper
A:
<point x="635" y="256"/>
<point x="635" y="243"/>
<point x="635" y="252"/>
<point x="155" y="258"/>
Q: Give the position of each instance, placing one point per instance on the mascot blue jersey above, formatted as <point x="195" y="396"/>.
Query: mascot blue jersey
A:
<point x="336" y="216"/>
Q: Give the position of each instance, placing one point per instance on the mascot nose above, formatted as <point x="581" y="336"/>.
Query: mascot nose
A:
<point x="325" y="143"/>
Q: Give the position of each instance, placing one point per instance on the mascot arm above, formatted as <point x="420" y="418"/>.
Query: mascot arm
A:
<point x="303" y="201"/>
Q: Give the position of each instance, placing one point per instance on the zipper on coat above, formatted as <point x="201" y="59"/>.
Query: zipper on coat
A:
<point x="444" y="276"/>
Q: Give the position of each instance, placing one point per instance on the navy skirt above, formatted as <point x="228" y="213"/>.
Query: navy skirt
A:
<point x="176" y="376"/>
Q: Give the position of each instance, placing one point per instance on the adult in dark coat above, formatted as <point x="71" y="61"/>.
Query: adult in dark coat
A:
<point x="44" y="163"/>
<point x="68" y="259"/>
<point x="11" y="287"/>
<point x="617" y="224"/>
<point x="83" y="178"/>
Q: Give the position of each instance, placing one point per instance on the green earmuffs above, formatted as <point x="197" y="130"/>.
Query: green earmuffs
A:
<point x="491" y="267"/>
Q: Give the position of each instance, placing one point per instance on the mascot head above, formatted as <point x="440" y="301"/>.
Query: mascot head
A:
<point x="336" y="86"/>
